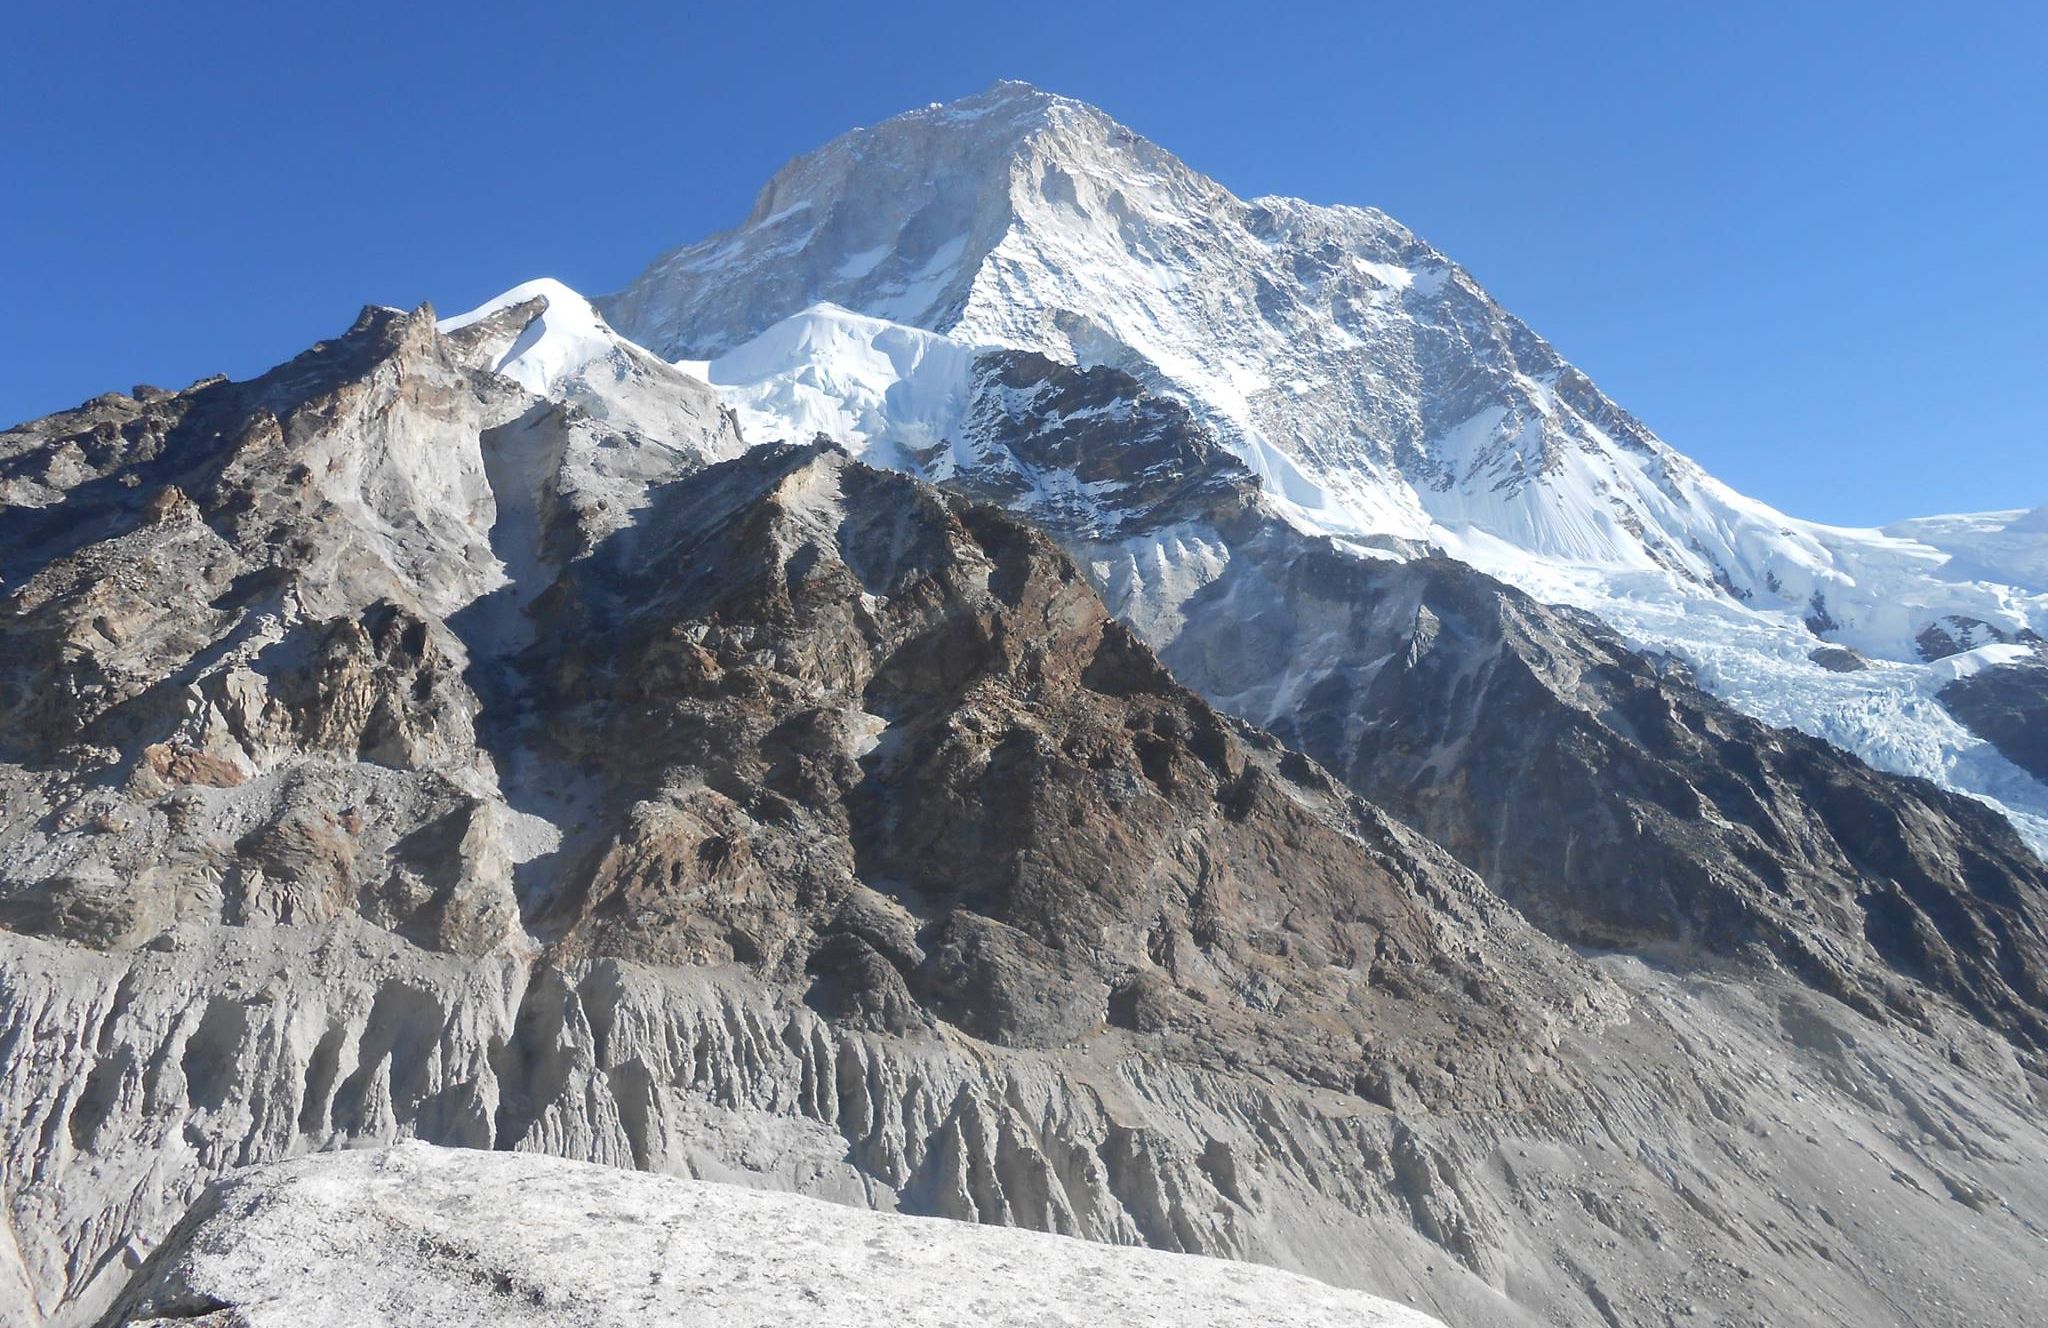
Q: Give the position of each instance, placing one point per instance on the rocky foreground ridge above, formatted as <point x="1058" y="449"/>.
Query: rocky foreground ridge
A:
<point x="395" y="750"/>
<point x="416" y="1234"/>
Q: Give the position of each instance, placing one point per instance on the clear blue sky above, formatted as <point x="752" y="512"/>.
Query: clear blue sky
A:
<point x="1804" y="241"/>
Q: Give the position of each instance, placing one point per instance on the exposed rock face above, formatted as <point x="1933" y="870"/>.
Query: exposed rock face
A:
<point x="1606" y="794"/>
<point x="1089" y="453"/>
<point x="1953" y="633"/>
<point x="500" y="776"/>
<point x="233" y="655"/>
<point x="1838" y="659"/>
<point x="1599" y="789"/>
<point x="844" y="720"/>
<point x="2008" y="707"/>
<point x="1621" y="808"/>
<point x="228" y="687"/>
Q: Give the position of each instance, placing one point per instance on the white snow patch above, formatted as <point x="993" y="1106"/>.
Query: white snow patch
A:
<point x="874" y="386"/>
<point x="1386" y="274"/>
<point x="1966" y="662"/>
<point x="565" y="338"/>
<point x="864" y="262"/>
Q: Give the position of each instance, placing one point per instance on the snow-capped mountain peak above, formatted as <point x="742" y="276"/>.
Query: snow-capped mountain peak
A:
<point x="1372" y="383"/>
<point x="896" y="220"/>
<point x="1376" y="390"/>
<point x="553" y="343"/>
<point x="543" y="348"/>
<point x="1331" y="348"/>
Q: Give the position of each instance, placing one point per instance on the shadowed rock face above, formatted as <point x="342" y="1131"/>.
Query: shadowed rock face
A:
<point x="1087" y="454"/>
<point x="1623" y="809"/>
<point x="1952" y="634"/>
<point x="891" y="745"/>
<point x="1616" y="804"/>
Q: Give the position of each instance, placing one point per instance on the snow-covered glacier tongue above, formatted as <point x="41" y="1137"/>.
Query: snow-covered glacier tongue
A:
<point x="1378" y="393"/>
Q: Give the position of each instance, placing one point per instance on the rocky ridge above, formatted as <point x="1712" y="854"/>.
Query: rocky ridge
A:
<point x="1600" y="789"/>
<point x="783" y="820"/>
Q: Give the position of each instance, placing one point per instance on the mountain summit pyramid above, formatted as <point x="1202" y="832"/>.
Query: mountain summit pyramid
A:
<point x="1378" y="393"/>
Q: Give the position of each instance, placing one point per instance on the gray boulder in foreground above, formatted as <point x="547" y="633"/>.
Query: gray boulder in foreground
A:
<point x="422" y="1235"/>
